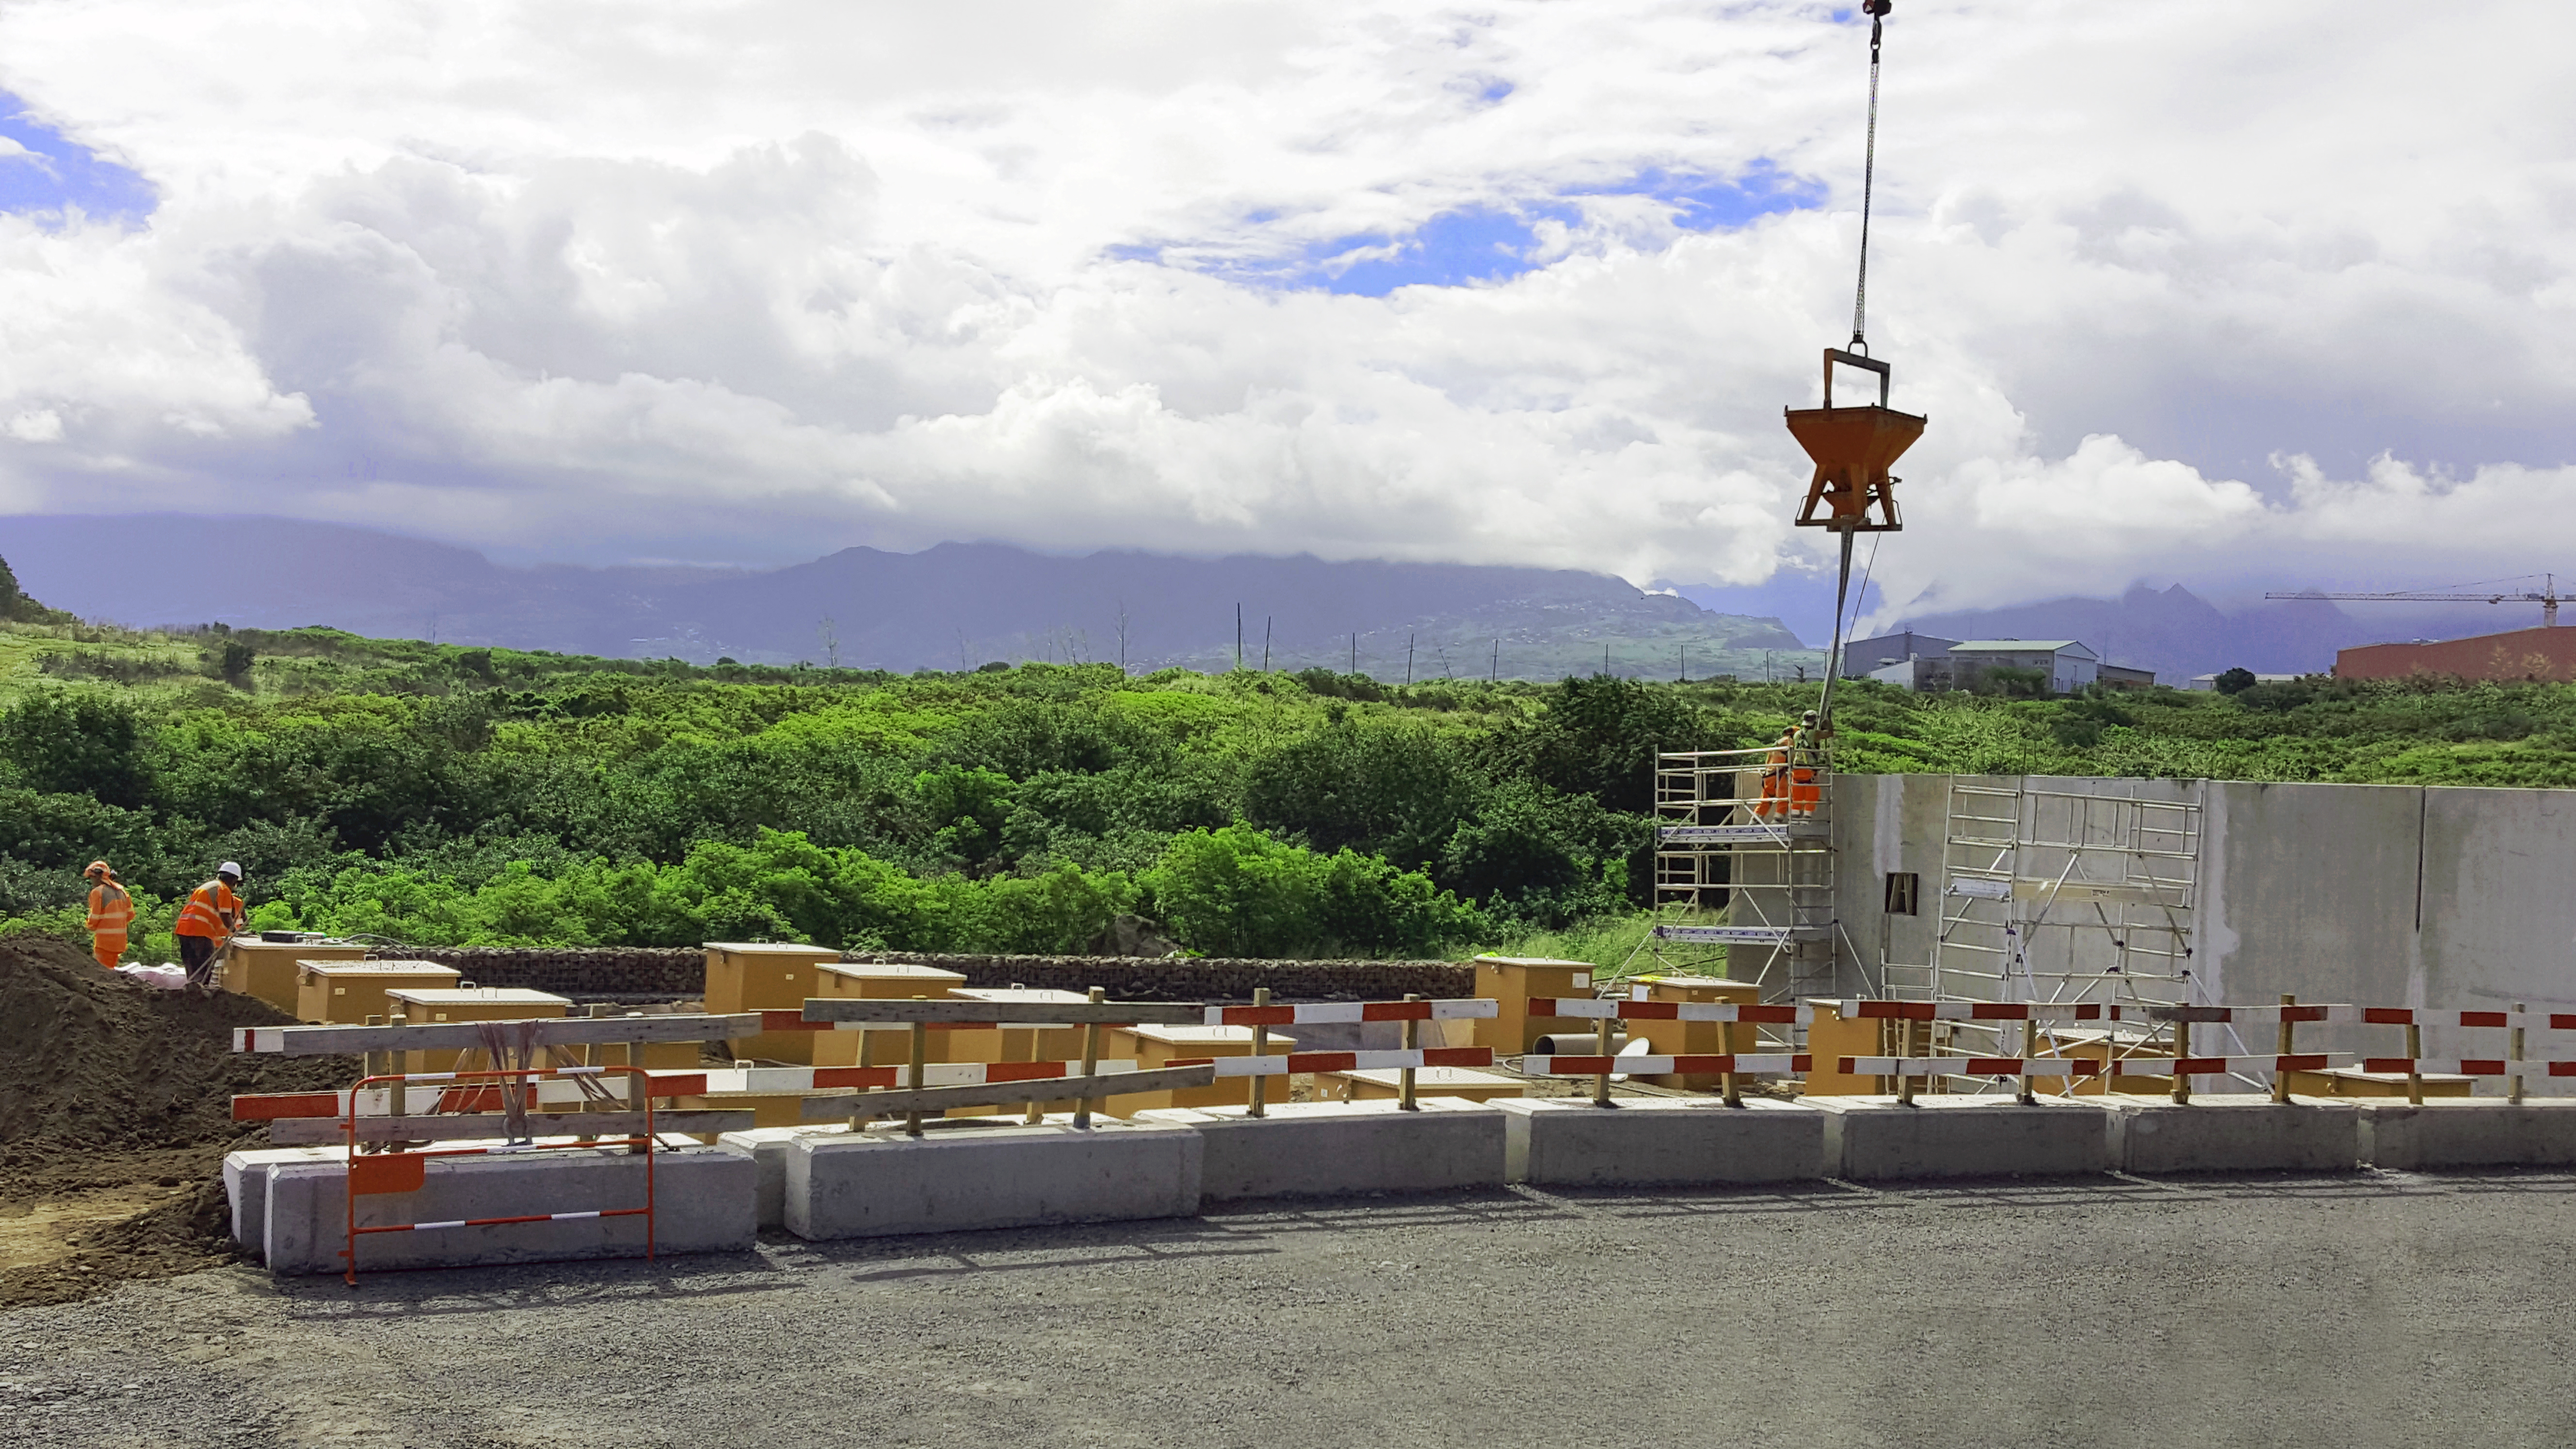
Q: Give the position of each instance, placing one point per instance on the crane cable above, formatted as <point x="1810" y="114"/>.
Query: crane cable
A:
<point x="1868" y="179"/>
<point x="1877" y="11"/>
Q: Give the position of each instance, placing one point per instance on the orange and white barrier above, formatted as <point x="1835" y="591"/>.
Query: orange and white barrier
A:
<point x="1742" y="1064"/>
<point x="1318" y="1013"/>
<point x="2470" y="1066"/>
<point x="1301" y="1063"/>
<point x="934" y="1074"/>
<point x="2080" y="1066"/>
<point x="1590" y="1008"/>
<point x="480" y="1096"/>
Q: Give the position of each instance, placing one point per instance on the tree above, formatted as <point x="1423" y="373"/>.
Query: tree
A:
<point x="76" y="744"/>
<point x="2236" y="680"/>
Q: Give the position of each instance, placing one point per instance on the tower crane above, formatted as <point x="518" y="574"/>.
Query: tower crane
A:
<point x="2546" y="596"/>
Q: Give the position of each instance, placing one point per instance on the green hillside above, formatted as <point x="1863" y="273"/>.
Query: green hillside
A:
<point x="431" y="794"/>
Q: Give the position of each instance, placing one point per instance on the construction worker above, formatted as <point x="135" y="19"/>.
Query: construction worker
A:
<point x="207" y="923"/>
<point x="1775" y="778"/>
<point x="1805" y="752"/>
<point x="111" y="914"/>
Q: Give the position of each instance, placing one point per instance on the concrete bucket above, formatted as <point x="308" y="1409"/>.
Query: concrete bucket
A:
<point x="1853" y="447"/>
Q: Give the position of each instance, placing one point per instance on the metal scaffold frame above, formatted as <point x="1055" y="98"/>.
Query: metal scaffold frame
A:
<point x="2055" y="893"/>
<point x="1745" y="833"/>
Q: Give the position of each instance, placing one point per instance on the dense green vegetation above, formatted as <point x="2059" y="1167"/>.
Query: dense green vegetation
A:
<point x="441" y="795"/>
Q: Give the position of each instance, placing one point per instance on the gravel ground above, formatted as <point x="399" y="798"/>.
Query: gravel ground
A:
<point x="2370" y="1309"/>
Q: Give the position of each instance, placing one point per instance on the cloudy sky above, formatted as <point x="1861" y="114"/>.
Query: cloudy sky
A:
<point x="2237" y="295"/>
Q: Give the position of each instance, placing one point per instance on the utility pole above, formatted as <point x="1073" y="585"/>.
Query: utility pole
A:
<point x="1408" y="660"/>
<point x="1122" y="636"/>
<point x="1355" y="654"/>
<point x="1265" y="643"/>
<point x="1496" y="677"/>
<point x="1238" y="636"/>
<point x="1686" y="664"/>
<point x="1605" y="659"/>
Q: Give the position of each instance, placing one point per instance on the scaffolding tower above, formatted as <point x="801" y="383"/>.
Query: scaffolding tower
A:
<point x="1721" y="847"/>
<point x="2061" y="891"/>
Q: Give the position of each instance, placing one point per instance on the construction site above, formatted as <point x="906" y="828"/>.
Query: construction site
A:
<point x="1935" y="1108"/>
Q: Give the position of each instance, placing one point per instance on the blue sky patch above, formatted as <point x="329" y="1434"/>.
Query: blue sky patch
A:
<point x="42" y="172"/>
<point x="1484" y="243"/>
<point x="1708" y="203"/>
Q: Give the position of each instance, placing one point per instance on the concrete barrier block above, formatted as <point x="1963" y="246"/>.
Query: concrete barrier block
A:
<point x="2232" y="1132"/>
<point x="1317" y="1149"/>
<point x="246" y="1189"/>
<point x="1869" y="1139"/>
<point x="703" y="1199"/>
<point x="2468" y="1132"/>
<point x="767" y="1148"/>
<point x="968" y="1175"/>
<point x="1660" y="1141"/>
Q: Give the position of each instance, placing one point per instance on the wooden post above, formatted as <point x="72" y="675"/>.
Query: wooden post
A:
<point x="1090" y="1060"/>
<point x="1404" y="1076"/>
<point x="2414" y="1067"/>
<point x="1728" y="1089"/>
<point x="920" y="1062"/>
<point x="375" y="1068"/>
<point x="1904" y="1048"/>
<point x="399" y="1090"/>
<point x="2182" y="1048"/>
<point x="1601" y="1046"/>
<point x="2029" y="1052"/>
<point x="2280" y="1075"/>
<point x="1260" y="1046"/>
<point x="639" y="1087"/>
<point x="2513" y="1087"/>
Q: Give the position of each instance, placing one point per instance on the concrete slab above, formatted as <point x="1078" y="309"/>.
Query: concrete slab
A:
<point x="1878" y="1139"/>
<point x="1315" y="1149"/>
<point x="246" y="1189"/>
<point x="968" y="1175"/>
<point x="767" y="1148"/>
<point x="703" y="1196"/>
<point x="1660" y="1141"/>
<point x="2456" y="1133"/>
<point x="2232" y="1132"/>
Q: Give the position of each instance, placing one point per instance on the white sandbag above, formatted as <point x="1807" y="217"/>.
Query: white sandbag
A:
<point x="165" y="976"/>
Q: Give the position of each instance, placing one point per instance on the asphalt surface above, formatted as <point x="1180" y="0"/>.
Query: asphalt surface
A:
<point x="2362" y="1310"/>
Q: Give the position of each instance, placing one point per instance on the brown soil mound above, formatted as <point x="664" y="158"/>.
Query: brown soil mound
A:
<point x="108" y="1085"/>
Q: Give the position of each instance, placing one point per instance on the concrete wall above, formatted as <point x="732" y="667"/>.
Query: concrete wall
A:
<point x="2373" y="894"/>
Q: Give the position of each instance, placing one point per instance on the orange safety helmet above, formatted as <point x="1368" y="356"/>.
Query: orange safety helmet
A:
<point x="99" y="869"/>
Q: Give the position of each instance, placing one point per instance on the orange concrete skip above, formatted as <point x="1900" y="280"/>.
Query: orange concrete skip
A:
<point x="388" y="1172"/>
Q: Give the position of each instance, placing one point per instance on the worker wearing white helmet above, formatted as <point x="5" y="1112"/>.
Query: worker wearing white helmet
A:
<point x="207" y="923"/>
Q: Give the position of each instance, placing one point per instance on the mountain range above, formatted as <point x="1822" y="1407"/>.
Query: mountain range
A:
<point x="948" y="607"/>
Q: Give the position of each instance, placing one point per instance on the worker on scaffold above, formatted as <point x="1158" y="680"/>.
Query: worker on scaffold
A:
<point x="1806" y="756"/>
<point x="1781" y="773"/>
<point x="111" y="914"/>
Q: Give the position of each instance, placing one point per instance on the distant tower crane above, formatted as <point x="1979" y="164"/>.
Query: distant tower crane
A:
<point x="2546" y="596"/>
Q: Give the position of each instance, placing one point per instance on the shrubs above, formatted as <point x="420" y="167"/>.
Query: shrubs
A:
<point x="1237" y="892"/>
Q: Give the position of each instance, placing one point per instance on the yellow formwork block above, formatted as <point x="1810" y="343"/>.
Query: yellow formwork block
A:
<point x="269" y="969"/>
<point x="341" y="991"/>
<point x="1160" y="1046"/>
<point x="2354" y="1082"/>
<point x="766" y="976"/>
<point x="1830" y="1036"/>
<point x="427" y="1006"/>
<point x="883" y="981"/>
<point x="1696" y="1038"/>
<point x="1512" y="982"/>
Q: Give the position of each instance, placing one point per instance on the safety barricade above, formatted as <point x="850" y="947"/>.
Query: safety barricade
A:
<point x="1084" y="1082"/>
<point x="395" y="1173"/>
<point x="1318" y="1013"/>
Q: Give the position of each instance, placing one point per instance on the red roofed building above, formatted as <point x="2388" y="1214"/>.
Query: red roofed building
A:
<point x="2520" y="654"/>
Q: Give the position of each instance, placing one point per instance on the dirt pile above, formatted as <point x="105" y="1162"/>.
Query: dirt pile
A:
<point x="115" y="1114"/>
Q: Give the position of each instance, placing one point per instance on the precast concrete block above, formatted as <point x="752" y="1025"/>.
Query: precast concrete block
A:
<point x="2487" y="1132"/>
<point x="1879" y="1139"/>
<point x="246" y="1189"/>
<point x="767" y="1148"/>
<point x="704" y="1202"/>
<point x="881" y="1183"/>
<point x="2232" y="1132"/>
<point x="1319" y="1149"/>
<point x="1660" y="1141"/>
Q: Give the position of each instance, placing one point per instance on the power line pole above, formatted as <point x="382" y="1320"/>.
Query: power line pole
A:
<point x="1355" y="654"/>
<point x="1238" y="636"/>
<point x="1408" y="659"/>
<point x="1265" y="643"/>
<point x="1496" y="677"/>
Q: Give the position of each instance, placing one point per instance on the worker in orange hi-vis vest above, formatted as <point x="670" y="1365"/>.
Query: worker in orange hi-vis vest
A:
<point x="1775" y="778"/>
<point x="207" y="922"/>
<point x="1806" y="752"/>
<point x="111" y="914"/>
